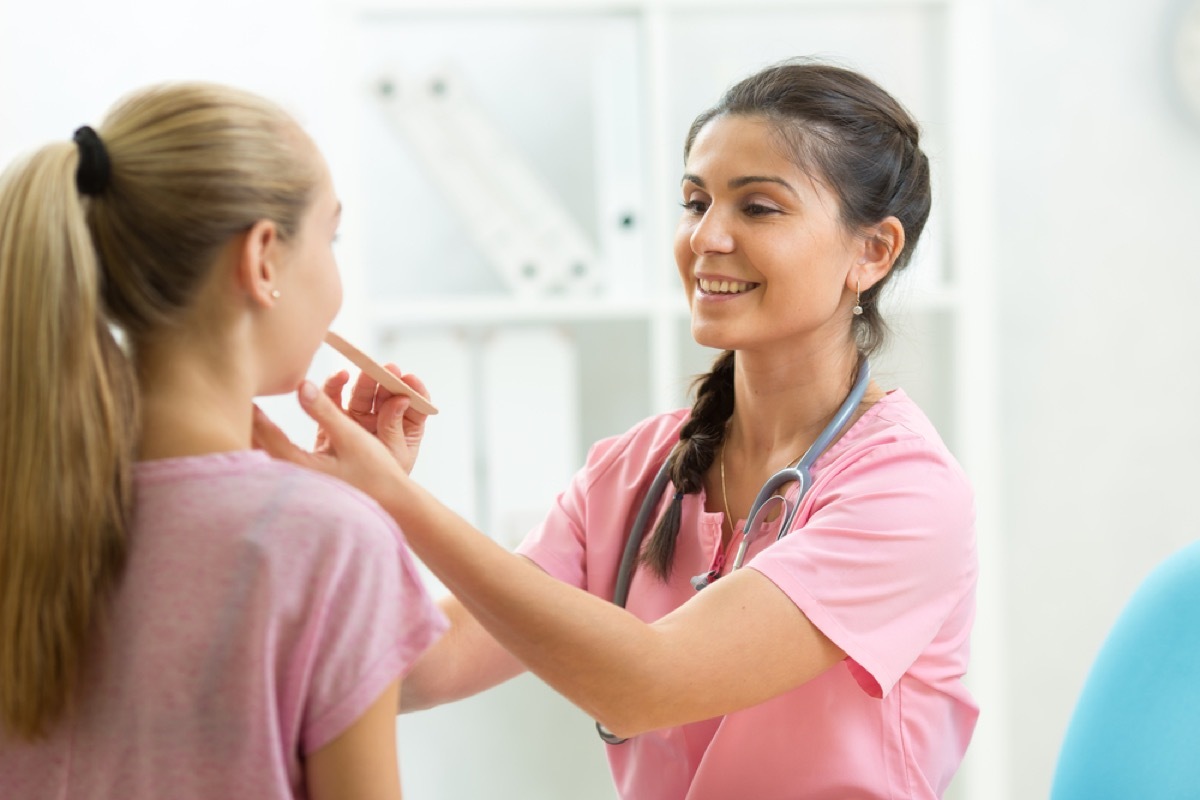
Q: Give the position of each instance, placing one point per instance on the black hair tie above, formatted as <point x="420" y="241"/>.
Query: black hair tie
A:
<point x="92" y="176"/>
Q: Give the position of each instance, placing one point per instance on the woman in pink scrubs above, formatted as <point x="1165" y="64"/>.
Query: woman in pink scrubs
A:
<point x="832" y="665"/>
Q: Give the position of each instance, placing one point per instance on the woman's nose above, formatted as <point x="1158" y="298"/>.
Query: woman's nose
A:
<point x="711" y="234"/>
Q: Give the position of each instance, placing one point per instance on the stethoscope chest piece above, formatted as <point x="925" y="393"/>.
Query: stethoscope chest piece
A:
<point x="769" y="496"/>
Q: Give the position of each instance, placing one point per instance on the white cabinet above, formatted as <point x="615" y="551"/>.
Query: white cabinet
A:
<point x="527" y="275"/>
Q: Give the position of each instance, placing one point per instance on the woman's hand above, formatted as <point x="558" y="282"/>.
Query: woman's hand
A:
<point x="346" y="450"/>
<point x="390" y="417"/>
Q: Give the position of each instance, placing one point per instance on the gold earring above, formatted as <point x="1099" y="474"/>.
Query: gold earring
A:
<point x="857" y="297"/>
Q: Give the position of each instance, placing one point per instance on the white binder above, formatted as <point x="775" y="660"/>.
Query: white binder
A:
<point x="520" y="226"/>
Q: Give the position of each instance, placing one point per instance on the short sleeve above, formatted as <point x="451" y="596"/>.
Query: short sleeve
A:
<point x="583" y="535"/>
<point x="885" y="557"/>
<point x="371" y="619"/>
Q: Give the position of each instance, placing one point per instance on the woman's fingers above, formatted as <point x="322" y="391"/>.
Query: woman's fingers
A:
<point x="391" y="418"/>
<point x="323" y="410"/>
<point x="334" y="385"/>
<point x="400" y="426"/>
<point x="354" y="455"/>
<point x="411" y="380"/>
<point x="397" y="433"/>
<point x="362" y="396"/>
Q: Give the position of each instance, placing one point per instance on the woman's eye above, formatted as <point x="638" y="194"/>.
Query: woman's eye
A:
<point x="694" y="206"/>
<point x="759" y="210"/>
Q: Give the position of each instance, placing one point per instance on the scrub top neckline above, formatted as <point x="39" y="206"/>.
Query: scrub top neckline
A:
<point x="840" y="443"/>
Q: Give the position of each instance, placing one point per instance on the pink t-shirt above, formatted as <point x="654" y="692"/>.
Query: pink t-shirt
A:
<point x="263" y="609"/>
<point x="881" y="559"/>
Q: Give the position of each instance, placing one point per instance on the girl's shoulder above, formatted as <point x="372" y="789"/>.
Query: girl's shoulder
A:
<point x="248" y="489"/>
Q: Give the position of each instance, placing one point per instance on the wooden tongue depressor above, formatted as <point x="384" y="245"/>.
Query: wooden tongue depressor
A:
<point x="386" y="379"/>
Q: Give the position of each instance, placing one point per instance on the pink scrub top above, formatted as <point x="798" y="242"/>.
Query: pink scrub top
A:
<point x="881" y="559"/>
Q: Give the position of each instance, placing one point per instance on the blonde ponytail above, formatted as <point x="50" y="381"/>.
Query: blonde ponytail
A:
<point x="67" y="431"/>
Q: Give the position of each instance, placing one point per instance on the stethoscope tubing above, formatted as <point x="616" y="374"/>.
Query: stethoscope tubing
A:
<point x="641" y="524"/>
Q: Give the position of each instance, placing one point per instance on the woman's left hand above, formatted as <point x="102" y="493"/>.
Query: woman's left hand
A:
<point x="347" y="450"/>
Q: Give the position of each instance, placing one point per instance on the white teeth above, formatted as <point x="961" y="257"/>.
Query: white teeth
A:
<point x="724" y="287"/>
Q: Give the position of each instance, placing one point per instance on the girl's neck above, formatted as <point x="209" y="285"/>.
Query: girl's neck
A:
<point x="195" y="398"/>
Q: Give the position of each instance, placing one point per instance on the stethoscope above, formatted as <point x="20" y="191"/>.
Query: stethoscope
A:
<point x="768" y="497"/>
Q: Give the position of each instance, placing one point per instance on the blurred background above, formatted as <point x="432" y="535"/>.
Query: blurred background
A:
<point x="509" y="170"/>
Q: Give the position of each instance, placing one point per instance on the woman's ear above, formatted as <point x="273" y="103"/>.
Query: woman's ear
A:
<point x="881" y="245"/>
<point x="257" y="255"/>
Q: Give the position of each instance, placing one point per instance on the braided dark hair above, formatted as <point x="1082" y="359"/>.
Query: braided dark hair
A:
<point x="699" y="439"/>
<point x="842" y="127"/>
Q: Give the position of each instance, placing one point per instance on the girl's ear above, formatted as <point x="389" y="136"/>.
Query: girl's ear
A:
<point x="257" y="256"/>
<point x="882" y="243"/>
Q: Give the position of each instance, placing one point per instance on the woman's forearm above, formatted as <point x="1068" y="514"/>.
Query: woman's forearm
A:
<point x="629" y="675"/>
<point x="538" y="619"/>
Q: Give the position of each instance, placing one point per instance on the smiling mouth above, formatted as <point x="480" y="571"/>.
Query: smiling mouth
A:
<point x="725" y="287"/>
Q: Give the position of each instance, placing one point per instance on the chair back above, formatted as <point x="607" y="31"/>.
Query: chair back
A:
<point x="1135" y="731"/>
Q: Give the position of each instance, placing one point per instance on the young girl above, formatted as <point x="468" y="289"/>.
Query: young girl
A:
<point x="179" y="614"/>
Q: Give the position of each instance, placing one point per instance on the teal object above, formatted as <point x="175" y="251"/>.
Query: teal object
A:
<point x="1135" y="732"/>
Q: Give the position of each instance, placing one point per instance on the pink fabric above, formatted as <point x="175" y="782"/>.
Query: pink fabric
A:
<point x="882" y="560"/>
<point x="263" y="609"/>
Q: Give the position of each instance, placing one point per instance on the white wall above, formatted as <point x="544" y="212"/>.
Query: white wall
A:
<point x="1099" y="199"/>
<point x="63" y="62"/>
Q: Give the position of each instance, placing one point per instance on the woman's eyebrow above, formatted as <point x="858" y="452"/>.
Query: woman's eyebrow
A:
<point x="737" y="183"/>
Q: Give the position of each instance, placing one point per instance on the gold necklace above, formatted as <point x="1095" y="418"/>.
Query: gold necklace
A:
<point x="721" y="461"/>
<point x="725" y="494"/>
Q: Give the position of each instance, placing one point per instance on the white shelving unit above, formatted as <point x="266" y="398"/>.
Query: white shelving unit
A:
<point x="594" y="98"/>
